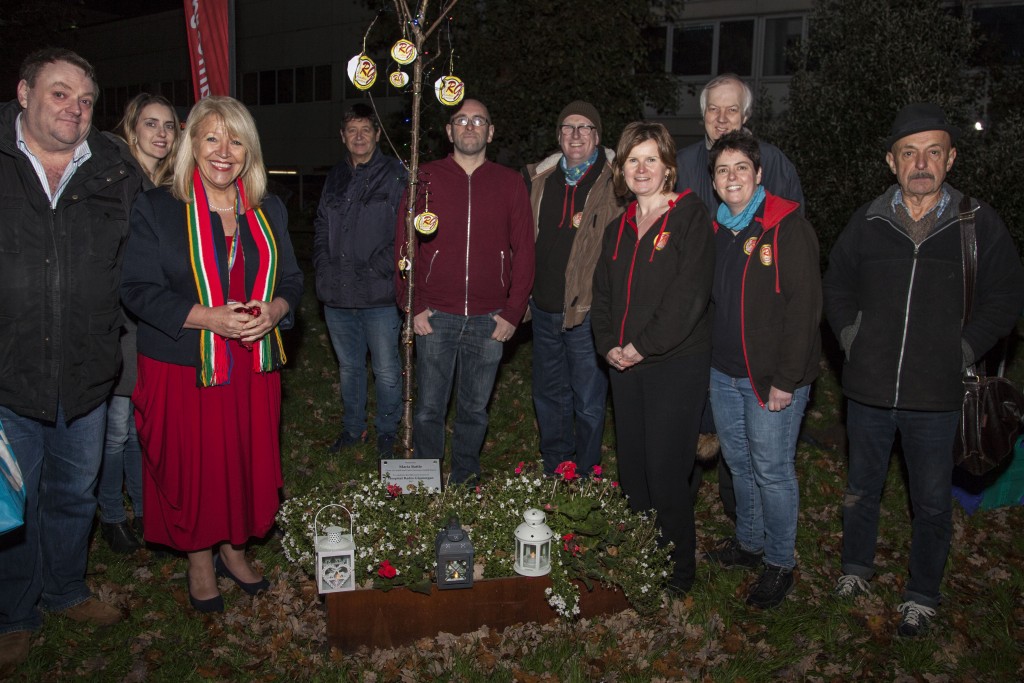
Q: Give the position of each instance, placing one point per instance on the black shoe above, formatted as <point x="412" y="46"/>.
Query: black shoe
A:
<point x="250" y="588"/>
<point x="730" y="555"/>
<point x="346" y="440"/>
<point x="119" y="537"/>
<point x="385" y="446"/>
<point x="915" y="619"/>
<point x="771" y="588"/>
<point x="139" y="528"/>
<point x="208" y="606"/>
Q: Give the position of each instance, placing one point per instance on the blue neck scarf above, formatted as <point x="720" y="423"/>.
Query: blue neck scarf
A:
<point x="743" y="218"/>
<point x="573" y="175"/>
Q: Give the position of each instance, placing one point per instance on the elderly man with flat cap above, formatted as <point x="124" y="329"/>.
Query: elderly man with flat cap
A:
<point x="894" y="296"/>
<point x="573" y="200"/>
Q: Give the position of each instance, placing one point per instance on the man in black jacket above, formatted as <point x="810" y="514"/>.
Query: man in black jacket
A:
<point x="894" y="298"/>
<point x="65" y="195"/>
<point x="353" y="252"/>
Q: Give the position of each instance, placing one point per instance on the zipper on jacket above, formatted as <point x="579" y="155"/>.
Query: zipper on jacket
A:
<point x="629" y="291"/>
<point x="743" y="319"/>
<point x="501" y="277"/>
<point x="906" y="325"/>
<point x="469" y="221"/>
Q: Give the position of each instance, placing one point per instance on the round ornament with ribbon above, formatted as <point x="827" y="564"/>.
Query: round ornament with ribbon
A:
<point x="403" y="51"/>
<point x="362" y="72"/>
<point x="449" y="90"/>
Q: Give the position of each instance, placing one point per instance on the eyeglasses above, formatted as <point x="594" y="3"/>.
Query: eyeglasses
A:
<point x="477" y="121"/>
<point x="584" y="129"/>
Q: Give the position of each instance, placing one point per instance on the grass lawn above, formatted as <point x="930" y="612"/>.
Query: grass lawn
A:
<point x="709" y="636"/>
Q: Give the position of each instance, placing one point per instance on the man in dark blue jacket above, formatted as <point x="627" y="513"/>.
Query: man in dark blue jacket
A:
<point x="894" y="296"/>
<point x="353" y="253"/>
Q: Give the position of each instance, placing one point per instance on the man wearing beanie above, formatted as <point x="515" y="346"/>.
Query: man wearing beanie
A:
<point x="894" y="296"/>
<point x="573" y="201"/>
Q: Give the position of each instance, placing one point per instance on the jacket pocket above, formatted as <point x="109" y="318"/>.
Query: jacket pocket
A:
<point x="11" y="210"/>
<point x="108" y="227"/>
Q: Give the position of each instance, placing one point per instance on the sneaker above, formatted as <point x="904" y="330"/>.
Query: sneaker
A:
<point x="771" y="588"/>
<point x="916" y="619"/>
<point x="92" y="611"/>
<point x="850" y="586"/>
<point x="730" y="555"/>
<point x="346" y="440"/>
<point x="385" y="446"/>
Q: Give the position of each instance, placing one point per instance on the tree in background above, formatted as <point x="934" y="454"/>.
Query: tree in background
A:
<point x="529" y="58"/>
<point x="862" y="63"/>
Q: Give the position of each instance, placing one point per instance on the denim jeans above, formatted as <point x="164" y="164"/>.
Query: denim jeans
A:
<point x="927" y="442"/>
<point x="570" y="389"/>
<point x="759" y="446"/>
<point x="459" y="350"/>
<point x="44" y="561"/>
<point x="122" y="463"/>
<point x="354" y="331"/>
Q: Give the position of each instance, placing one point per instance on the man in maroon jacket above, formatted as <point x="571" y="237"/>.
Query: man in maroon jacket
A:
<point x="472" y="280"/>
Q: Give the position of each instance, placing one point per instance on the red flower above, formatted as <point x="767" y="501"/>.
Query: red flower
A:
<point x="519" y="467"/>
<point x="394" y="490"/>
<point x="597" y="470"/>
<point x="568" y="470"/>
<point x="615" y="484"/>
<point x="386" y="571"/>
<point x="568" y="537"/>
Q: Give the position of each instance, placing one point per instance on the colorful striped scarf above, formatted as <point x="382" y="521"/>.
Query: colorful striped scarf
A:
<point x="214" y="355"/>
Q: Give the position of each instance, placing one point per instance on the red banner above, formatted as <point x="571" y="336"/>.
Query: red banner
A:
<point x="206" y="22"/>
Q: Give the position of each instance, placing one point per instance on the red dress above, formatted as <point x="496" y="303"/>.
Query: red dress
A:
<point x="212" y="454"/>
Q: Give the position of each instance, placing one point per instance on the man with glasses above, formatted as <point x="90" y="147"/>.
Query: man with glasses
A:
<point x="573" y="200"/>
<point x="473" y="276"/>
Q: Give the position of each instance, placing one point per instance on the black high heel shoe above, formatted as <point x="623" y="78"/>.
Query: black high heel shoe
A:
<point x="209" y="606"/>
<point x="250" y="588"/>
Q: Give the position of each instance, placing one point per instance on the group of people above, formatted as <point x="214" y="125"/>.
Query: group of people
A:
<point x="148" y="276"/>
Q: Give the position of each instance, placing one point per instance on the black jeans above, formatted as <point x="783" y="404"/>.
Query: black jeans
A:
<point x="657" y="419"/>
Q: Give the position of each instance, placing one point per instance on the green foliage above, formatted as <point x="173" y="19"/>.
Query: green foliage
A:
<point x="863" y="62"/>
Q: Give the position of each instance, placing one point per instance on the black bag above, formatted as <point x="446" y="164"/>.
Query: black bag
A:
<point x="993" y="407"/>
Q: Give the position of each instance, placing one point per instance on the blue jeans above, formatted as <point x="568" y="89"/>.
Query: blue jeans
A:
<point x="759" y="446"/>
<point x="459" y="350"/>
<point x="122" y="463"/>
<point x="44" y="561"/>
<point x="927" y="441"/>
<point x="354" y="331"/>
<point x="570" y="390"/>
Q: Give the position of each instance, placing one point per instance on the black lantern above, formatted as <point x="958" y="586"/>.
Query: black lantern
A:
<point x="454" y="557"/>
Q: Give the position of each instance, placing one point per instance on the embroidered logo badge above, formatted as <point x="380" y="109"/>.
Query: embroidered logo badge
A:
<point x="577" y="218"/>
<point x="766" y="254"/>
<point x="661" y="241"/>
<point x="749" y="245"/>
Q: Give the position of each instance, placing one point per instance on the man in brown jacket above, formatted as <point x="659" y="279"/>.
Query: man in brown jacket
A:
<point x="573" y="201"/>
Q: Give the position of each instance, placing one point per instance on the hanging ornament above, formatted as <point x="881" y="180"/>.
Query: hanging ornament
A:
<point x="403" y="52"/>
<point x="362" y="72"/>
<point x="449" y="90"/>
<point x="399" y="79"/>
<point x="426" y="223"/>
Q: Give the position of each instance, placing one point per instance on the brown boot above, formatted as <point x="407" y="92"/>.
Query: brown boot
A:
<point x="13" y="650"/>
<point x="92" y="611"/>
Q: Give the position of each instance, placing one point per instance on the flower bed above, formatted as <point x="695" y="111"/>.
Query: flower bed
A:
<point x="598" y="540"/>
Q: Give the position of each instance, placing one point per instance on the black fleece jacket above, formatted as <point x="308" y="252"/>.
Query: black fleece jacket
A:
<point x="654" y="292"/>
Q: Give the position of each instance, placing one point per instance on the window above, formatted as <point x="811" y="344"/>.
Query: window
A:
<point x="285" y="86"/>
<point x="781" y="41"/>
<point x="268" y="87"/>
<point x="1002" y="33"/>
<point x="713" y="48"/>
<point x="250" y="88"/>
<point x="655" y="39"/>
<point x="692" y="49"/>
<point x="323" y="83"/>
<point x="304" y="84"/>
<point x="736" y="47"/>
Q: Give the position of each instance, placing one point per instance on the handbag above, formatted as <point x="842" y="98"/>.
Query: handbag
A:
<point x="993" y="407"/>
<point x="12" y="487"/>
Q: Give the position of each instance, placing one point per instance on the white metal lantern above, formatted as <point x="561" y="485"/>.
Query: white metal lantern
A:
<point x="533" y="545"/>
<point x="335" y="555"/>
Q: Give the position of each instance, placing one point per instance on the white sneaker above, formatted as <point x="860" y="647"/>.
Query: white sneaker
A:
<point x="850" y="586"/>
<point x="916" y="618"/>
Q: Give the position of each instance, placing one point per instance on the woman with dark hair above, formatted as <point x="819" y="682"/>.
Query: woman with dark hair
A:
<point x="766" y="350"/>
<point x="208" y="398"/>
<point x="650" y="319"/>
<point x="147" y="137"/>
